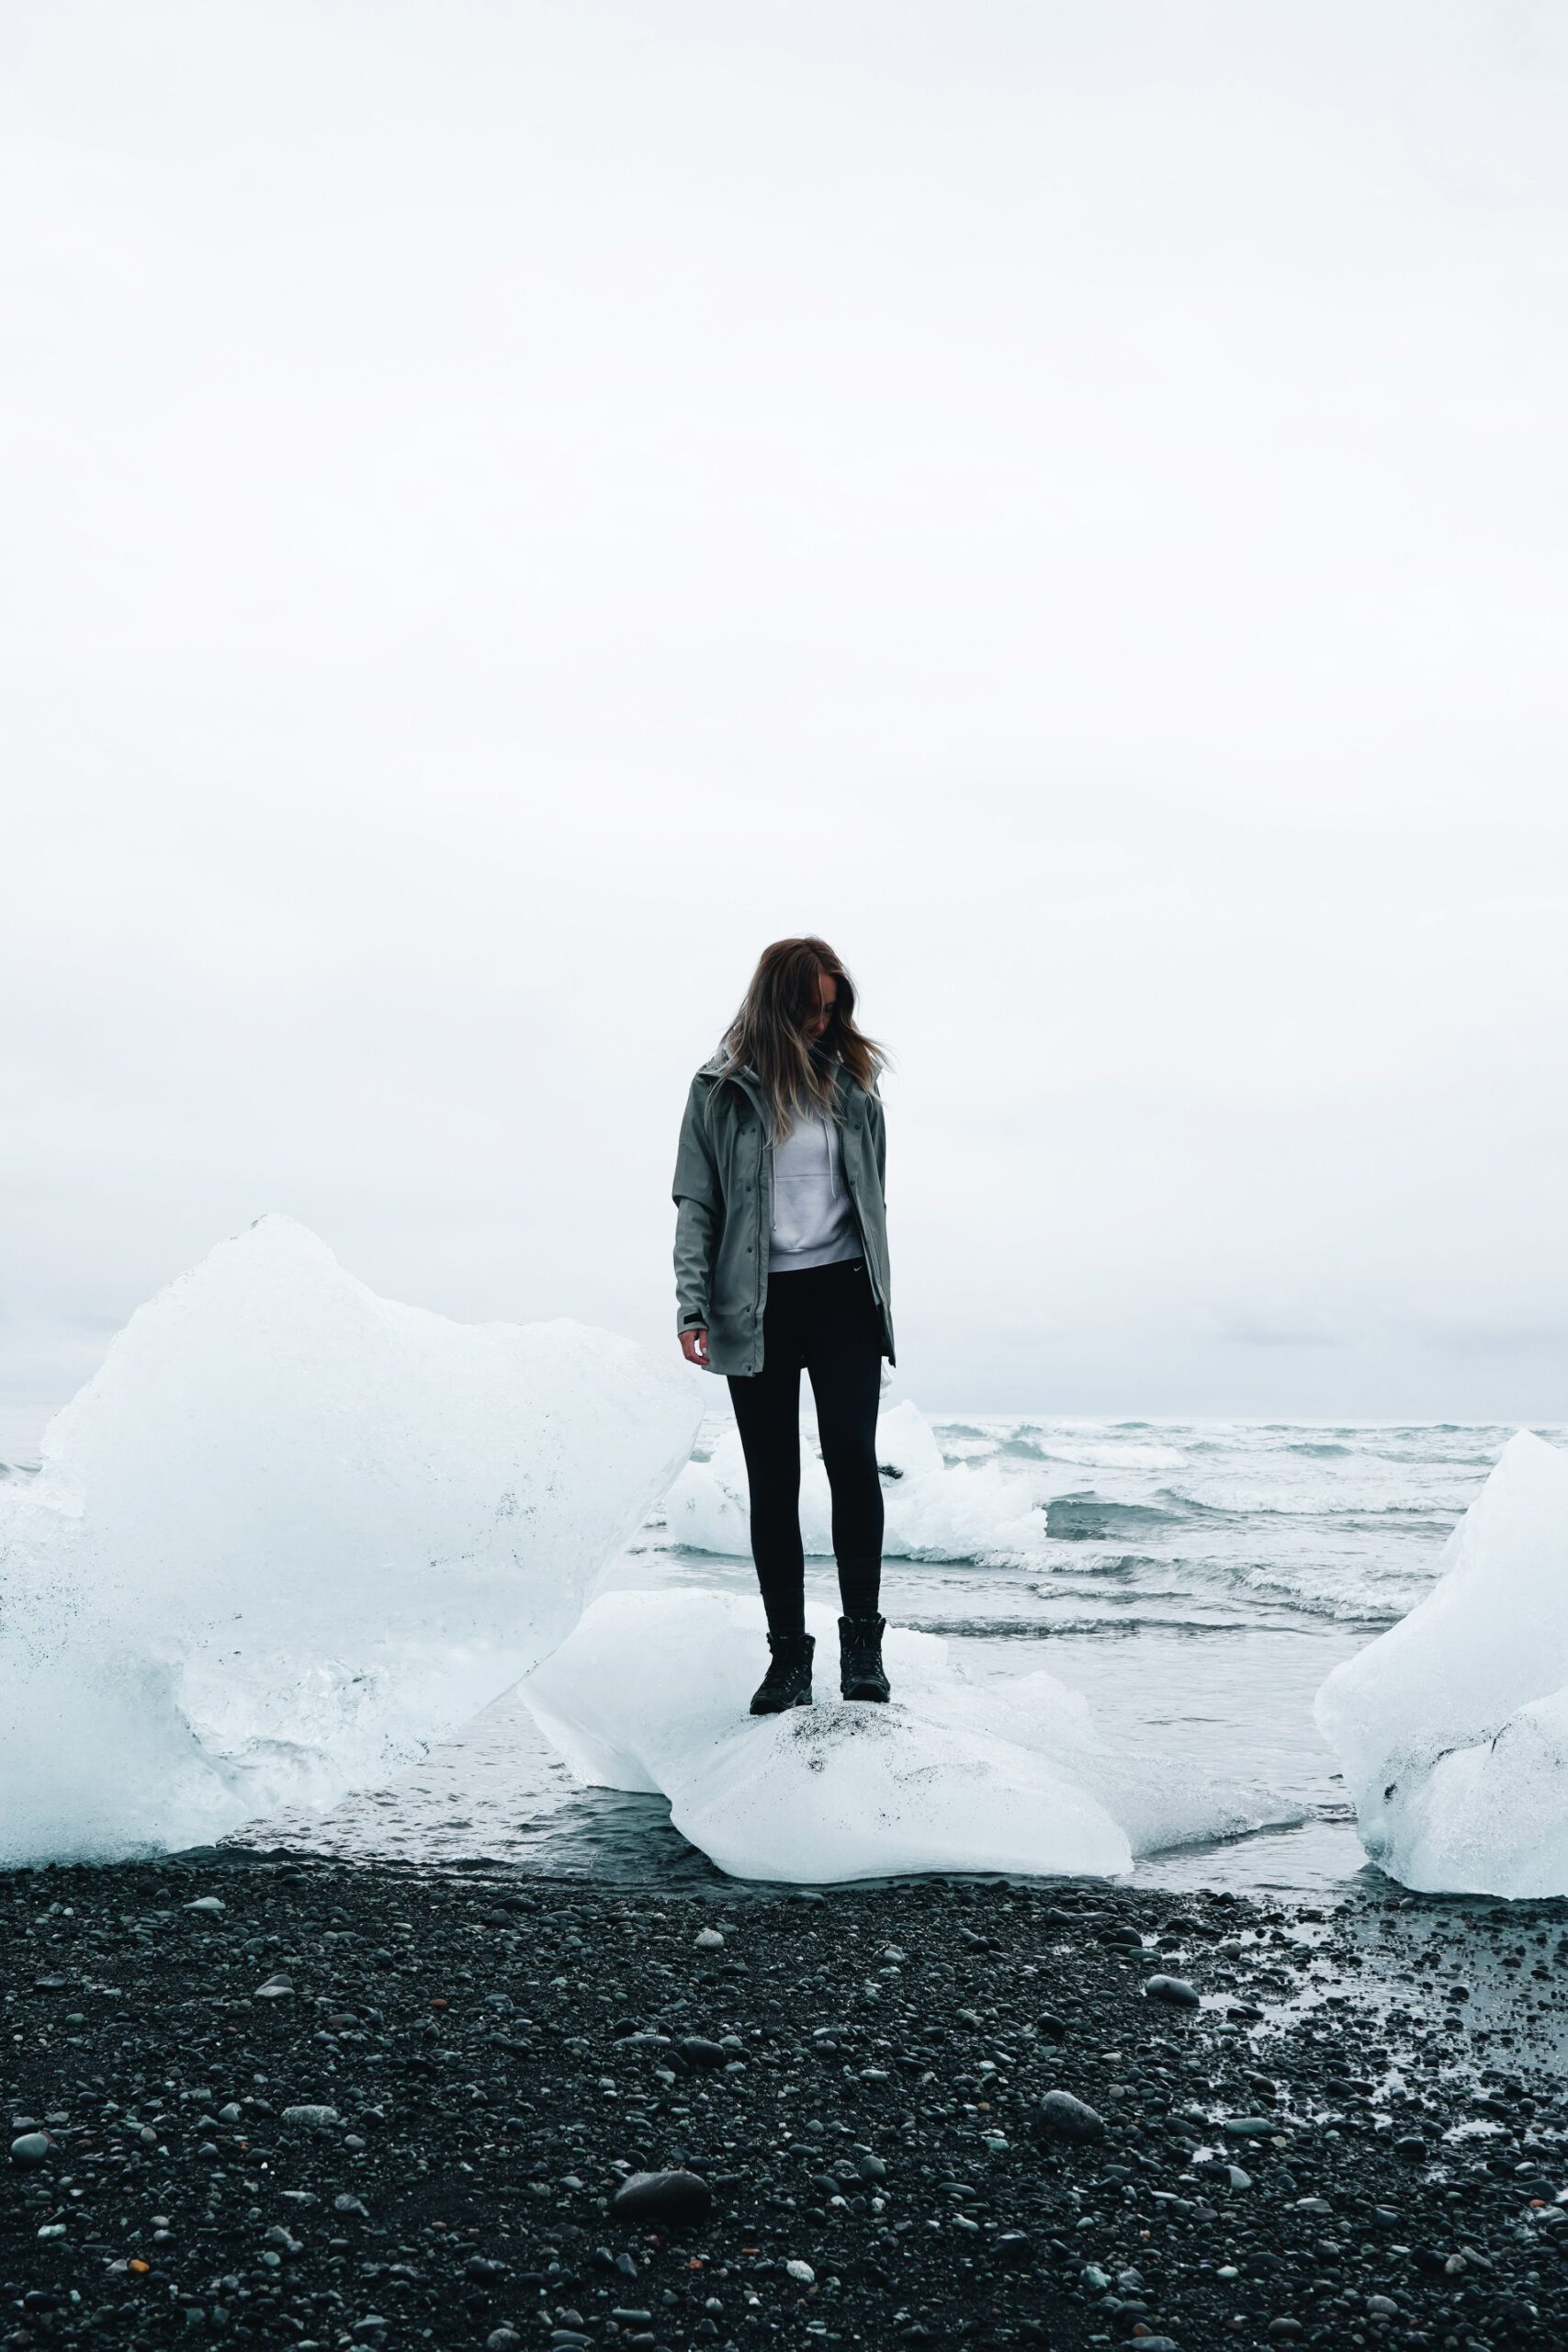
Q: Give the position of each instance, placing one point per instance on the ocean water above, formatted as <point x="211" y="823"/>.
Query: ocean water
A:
<point x="1195" y="1580"/>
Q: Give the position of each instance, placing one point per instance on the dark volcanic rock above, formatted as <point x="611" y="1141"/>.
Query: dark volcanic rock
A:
<point x="697" y="2051"/>
<point x="1174" y="1989"/>
<point x="1060" y="2116"/>
<point x="679" y="2197"/>
<point x="875" y="2144"/>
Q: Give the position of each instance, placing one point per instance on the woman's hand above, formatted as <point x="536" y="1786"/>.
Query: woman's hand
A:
<point x="695" y="1347"/>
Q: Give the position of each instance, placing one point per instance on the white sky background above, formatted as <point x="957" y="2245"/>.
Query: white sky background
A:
<point x="510" y="508"/>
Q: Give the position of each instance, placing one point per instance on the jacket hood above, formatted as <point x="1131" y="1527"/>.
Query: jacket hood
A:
<point x="750" y="1084"/>
<point x="749" y="1078"/>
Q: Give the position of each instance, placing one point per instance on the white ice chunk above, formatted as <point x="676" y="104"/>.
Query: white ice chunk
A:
<point x="932" y="1511"/>
<point x="292" y="1534"/>
<point x="1452" y="1727"/>
<point x="650" y="1692"/>
<point x="906" y="1444"/>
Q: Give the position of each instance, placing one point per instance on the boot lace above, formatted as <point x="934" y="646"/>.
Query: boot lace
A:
<point x="785" y="1666"/>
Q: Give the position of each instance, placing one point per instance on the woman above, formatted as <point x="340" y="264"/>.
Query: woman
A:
<point x="781" y="1261"/>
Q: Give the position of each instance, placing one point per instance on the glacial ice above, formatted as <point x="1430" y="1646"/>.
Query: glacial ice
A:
<point x="290" y="1534"/>
<point x="1452" y="1727"/>
<point x="933" y="1512"/>
<point x="650" y="1691"/>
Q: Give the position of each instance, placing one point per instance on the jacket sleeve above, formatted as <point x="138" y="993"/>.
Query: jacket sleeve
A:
<point x="699" y="1210"/>
<point x="879" y="1144"/>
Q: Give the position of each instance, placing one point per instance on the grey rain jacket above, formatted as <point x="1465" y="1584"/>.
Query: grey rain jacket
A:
<point x="723" y="1191"/>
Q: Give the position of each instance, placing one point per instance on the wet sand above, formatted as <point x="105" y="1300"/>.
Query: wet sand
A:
<point x="362" y="2104"/>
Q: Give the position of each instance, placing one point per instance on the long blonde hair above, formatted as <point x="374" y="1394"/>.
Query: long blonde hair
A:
<point x="768" y="1033"/>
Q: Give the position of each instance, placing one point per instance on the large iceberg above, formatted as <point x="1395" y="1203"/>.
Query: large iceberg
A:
<point x="650" y="1691"/>
<point x="292" y="1534"/>
<point x="1452" y="1727"/>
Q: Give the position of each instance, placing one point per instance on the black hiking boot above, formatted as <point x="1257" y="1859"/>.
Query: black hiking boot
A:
<point x="859" y="1657"/>
<point x="787" y="1682"/>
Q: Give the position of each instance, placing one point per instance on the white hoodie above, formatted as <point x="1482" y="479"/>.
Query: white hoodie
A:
<point x="813" y="1219"/>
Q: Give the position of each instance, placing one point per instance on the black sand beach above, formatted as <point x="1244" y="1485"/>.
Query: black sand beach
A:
<point x="366" y="2105"/>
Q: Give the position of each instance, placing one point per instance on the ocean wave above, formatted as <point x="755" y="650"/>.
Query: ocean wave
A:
<point x="1259" y="1527"/>
<point x="1081" y="1519"/>
<point x="1053" y="1627"/>
<point x="1316" y="1594"/>
<point x="1330" y="1506"/>
<point x="1083" y="1457"/>
<point x="1347" y="1593"/>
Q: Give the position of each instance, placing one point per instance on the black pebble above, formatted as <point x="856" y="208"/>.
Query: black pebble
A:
<point x="677" y="2197"/>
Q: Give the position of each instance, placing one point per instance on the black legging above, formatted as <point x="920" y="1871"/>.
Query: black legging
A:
<point x="826" y="1319"/>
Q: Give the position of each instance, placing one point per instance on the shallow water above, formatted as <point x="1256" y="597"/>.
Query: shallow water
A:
<point x="1195" y="1580"/>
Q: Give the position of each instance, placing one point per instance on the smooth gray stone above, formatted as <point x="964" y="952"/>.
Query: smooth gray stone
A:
<point x="698" y="2051"/>
<point x="663" y="2197"/>
<point x="1175" y="1989"/>
<point x="1060" y="2116"/>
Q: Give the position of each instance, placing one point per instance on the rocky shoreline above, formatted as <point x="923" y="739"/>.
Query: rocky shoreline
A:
<point x="288" y="2100"/>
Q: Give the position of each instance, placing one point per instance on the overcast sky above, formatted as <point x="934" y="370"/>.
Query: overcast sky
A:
<point x="510" y="508"/>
